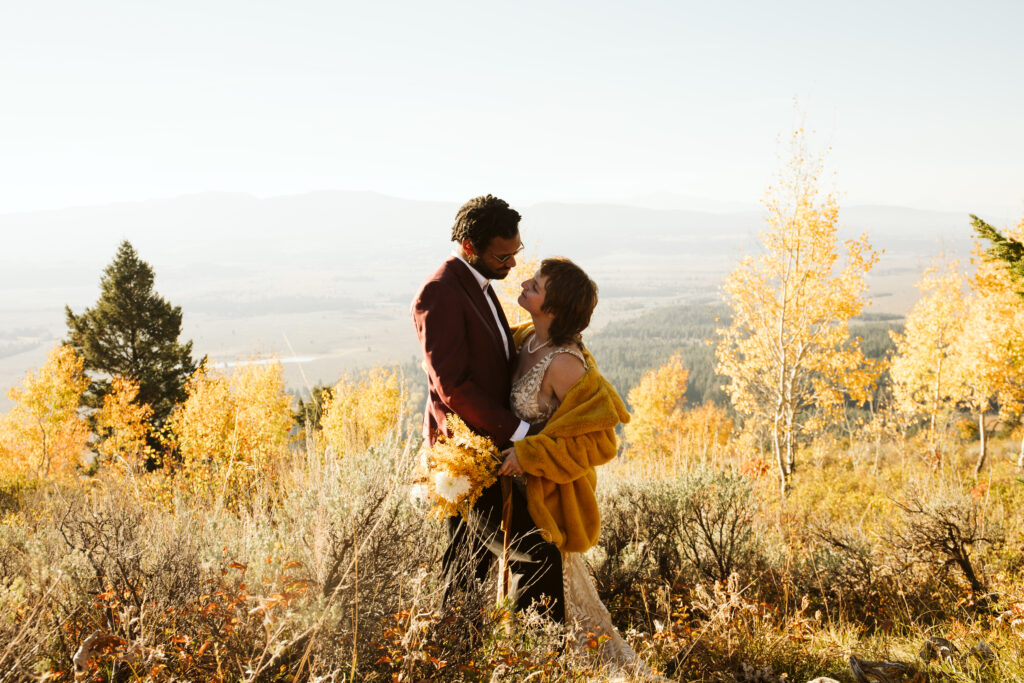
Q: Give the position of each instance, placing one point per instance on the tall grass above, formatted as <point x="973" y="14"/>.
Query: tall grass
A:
<point x="323" y="570"/>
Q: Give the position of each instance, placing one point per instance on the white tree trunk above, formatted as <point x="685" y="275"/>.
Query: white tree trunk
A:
<point x="982" y="443"/>
<point x="779" y="455"/>
<point x="1020" y="458"/>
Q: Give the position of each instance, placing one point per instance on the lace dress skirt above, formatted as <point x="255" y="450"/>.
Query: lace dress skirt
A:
<point x="585" y="614"/>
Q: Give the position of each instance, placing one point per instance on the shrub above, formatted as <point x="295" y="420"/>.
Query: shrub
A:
<point x="232" y="431"/>
<point x="940" y="528"/>
<point x="715" y="531"/>
<point x="363" y="410"/>
<point x="696" y="526"/>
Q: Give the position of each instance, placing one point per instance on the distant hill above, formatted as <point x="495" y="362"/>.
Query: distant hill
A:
<point x="333" y="272"/>
<point x="361" y="245"/>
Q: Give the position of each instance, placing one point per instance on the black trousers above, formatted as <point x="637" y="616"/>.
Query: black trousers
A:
<point x="474" y="544"/>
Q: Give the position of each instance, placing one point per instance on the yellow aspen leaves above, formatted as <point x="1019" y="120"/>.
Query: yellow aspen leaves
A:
<point x="362" y="410"/>
<point x="925" y="379"/>
<point x="989" y="353"/>
<point x="789" y="349"/>
<point x="232" y="428"/>
<point x="705" y="430"/>
<point x="122" y="424"/>
<point x="43" y="435"/>
<point x="657" y="416"/>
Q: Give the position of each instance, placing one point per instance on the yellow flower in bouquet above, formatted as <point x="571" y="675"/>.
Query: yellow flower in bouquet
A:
<point x="455" y="470"/>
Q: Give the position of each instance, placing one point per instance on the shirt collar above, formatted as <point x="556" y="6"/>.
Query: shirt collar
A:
<point x="480" y="279"/>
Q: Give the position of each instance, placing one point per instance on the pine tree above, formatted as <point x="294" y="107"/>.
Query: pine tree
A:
<point x="1005" y="248"/>
<point x="132" y="332"/>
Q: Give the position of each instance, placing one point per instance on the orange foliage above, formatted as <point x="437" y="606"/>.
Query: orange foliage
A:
<point x="123" y="423"/>
<point x="43" y="434"/>
<point x="705" y="430"/>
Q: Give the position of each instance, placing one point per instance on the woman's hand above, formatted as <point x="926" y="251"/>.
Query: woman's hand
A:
<point x="510" y="466"/>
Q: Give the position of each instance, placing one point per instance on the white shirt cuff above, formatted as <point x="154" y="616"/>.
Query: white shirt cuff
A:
<point x="520" y="432"/>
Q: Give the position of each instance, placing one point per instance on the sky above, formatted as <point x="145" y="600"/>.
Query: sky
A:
<point x="920" y="104"/>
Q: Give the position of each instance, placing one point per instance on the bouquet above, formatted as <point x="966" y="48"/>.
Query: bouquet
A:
<point x="453" y="472"/>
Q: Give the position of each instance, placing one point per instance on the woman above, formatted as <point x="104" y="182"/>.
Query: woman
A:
<point x="557" y="382"/>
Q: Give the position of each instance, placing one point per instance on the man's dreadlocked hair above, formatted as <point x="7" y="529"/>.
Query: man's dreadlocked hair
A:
<point x="481" y="219"/>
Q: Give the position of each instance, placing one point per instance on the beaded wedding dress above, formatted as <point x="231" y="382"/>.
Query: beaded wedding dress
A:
<point x="584" y="612"/>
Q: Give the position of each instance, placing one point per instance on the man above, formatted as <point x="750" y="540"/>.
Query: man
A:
<point x="467" y="346"/>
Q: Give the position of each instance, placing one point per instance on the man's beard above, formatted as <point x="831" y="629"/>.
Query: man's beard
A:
<point x="485" y="270"/>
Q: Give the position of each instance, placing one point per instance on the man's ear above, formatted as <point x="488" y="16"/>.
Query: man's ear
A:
<point x="467" y="248"/>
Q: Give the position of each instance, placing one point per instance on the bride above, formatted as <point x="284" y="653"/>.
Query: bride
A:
<point x="557" y="382"/>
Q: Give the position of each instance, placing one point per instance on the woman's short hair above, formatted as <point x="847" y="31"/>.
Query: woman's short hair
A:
<point x="570" y="296"/>
<point x="481" y="219"/>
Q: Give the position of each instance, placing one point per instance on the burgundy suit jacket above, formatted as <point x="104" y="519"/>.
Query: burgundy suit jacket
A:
<point x="467" y="372"/>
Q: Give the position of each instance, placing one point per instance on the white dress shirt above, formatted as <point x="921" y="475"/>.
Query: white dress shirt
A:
<point x="524" y="427"/>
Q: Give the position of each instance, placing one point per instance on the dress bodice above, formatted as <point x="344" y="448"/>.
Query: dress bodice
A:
<point x="526" y="402"/>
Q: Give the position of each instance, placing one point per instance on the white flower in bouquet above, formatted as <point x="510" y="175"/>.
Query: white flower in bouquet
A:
<point x="451" y="488"/>
<point x="449" y="476"/>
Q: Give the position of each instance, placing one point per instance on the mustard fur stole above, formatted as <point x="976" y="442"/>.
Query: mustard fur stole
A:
<point x="559" y="462"/>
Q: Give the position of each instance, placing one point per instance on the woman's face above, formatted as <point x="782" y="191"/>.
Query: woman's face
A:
<point x="532" y="297"/>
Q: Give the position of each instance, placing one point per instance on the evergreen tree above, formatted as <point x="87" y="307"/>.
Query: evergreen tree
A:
<point x="1003" y="248"/>
<point x="132" y="333"/>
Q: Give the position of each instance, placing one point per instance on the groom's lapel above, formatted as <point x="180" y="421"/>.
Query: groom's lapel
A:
<point x="505" y="326"/>
<point x="479" y="301"/>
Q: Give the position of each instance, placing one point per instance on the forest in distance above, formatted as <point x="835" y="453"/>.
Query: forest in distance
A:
<point x="626" y="349"/>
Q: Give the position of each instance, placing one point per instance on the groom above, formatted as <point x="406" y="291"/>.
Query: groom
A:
<point x="469" y="355"/>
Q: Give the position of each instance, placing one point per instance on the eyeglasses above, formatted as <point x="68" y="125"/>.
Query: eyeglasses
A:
<point x="508" y="257"/>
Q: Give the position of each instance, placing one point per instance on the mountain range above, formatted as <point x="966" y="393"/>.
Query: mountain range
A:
<point x="336" y="270"/>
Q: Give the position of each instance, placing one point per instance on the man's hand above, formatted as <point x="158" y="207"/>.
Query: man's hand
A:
<point x="510" y="466"/>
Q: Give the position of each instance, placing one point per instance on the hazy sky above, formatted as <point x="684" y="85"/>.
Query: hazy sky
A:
<point x="921" y="102"/>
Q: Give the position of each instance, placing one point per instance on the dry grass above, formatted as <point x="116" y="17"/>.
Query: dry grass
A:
<point x="325" y="572"/>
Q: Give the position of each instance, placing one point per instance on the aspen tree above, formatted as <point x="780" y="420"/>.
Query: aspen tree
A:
<point x="232" y="428"/>
<point x="988" y="352"/>
<point x="789" y="346"/>
<point x="363" y="410"/>
<point x="656" y="403"/>
<point x="122" y="423"/>
<point x="1006" y="253"/>
<point x="924" y="376"/>
<point x="43" y="433"/>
